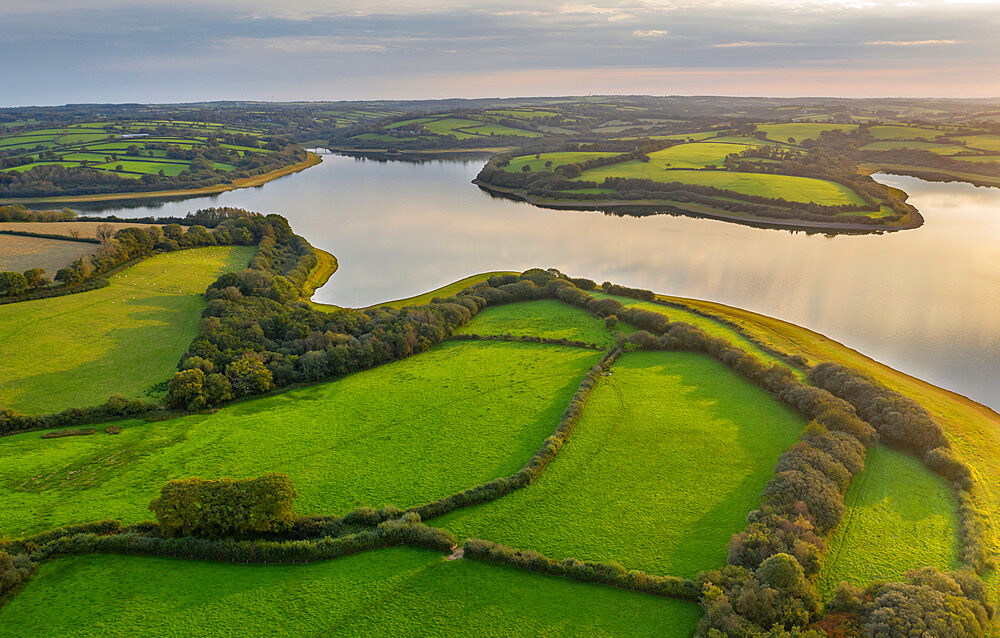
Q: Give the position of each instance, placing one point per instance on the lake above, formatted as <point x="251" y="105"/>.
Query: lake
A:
<point x="925" y="301"/>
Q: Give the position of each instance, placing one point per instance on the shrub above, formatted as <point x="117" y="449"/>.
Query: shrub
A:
<point x="14" y="572"/>
<point x="225" y="507"/>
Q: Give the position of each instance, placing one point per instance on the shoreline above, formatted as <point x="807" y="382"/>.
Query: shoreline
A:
<point x="312" y="159"/>
<point x="694" y="210"/>
<point x="807" y="340"/>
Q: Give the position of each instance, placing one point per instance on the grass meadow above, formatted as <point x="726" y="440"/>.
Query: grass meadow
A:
<point x="77" y="350"/>
<point x="672" y="451"/>
<point x="983" y="142"/>
<point x="894" y="145"/>
<point x="517" y="164"/>
<point x="801" y="130"/>
<point x="404" y="433"/>
<point x="789" y="187"/>
<point x="397" y="591"/>
<point x="974" y="430"/>
<point x="697" y="155"/>
<point x="904" y="132"/>
<point x="545" y="318"/>
<point x="900" y="516"/>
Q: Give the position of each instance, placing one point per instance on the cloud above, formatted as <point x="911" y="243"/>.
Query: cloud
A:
<point x="911" y="43"/>
<point x="298" y="45"/>
<point x="746" y="43"/>
<point x="105" y="50"/>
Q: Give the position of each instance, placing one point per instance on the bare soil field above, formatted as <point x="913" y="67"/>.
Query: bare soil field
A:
<point x="22" y="253"/>
<point x="81" y="229"/>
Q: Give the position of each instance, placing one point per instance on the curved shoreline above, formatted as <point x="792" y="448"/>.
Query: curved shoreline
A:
<point x="693" y="210"/>
<point x="312" y="159"/>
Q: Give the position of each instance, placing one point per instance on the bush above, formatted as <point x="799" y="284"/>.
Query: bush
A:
<point x="930" y="603"/>
<point x="225" y="507"/>
<point x="14" y="572"/>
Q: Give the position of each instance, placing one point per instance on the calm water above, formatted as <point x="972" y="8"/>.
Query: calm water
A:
<point x="926" y="301"/>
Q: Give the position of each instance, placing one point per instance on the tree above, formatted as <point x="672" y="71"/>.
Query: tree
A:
<point x="185" y="390"/>
<point x="526" y="168"/>
<point x="105" y="232"/>
<point x="225" y="507"/>
<point x="36" y="277"/>
<point x="173" y="231"/>
<point x="76" y="272"/>
<point x="247" y="375"/>
<point x="217" y="389"/>
<point x="12" y="283"/>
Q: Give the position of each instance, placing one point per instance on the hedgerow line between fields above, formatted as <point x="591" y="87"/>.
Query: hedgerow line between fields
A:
<point x="833" y="446"/>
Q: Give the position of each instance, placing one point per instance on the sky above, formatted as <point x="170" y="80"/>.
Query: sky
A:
<point x="59" y="51"/>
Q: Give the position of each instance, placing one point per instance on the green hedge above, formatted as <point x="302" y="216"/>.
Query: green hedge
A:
<point x="585" y="571"/>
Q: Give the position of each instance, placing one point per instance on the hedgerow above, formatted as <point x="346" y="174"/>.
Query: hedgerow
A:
<point x="585" y="571"/>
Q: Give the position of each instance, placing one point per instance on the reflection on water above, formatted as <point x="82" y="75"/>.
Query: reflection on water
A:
<point x="926" y="301"/>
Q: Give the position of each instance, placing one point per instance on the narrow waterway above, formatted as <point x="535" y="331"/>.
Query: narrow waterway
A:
<point x="925" y="301"/>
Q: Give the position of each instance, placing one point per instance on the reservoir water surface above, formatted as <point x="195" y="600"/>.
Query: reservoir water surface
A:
<point x="925" y="301"/>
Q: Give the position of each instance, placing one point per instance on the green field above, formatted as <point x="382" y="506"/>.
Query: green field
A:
<point x="701" y="135"/>
<point x="900" y="516"/>
<point x="983" y="142"/>
<point x="77" y="350"/>
<point x="404" y="433"/>
<point x="397" y="591"/>
<point x="672" y="452"/>
<point x="892" y="145"/>
<point x="95" y="142"/>
<point x="696" y="155"/>
<point x="521" y="114"/>
<point x="802" y="130"/>
<point x="750" y="140"/>
<point x="979" y="158"/>
<point x="788" y="187"/>
<point x="710" y="326"/>
<point x="558" y="159"/>
<point x="409" y="123"/>
<point x="904" y="132"/>
<point x="545" y="318"/>
<point x="462" y="128"/>
<point x="490" y="128"/>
